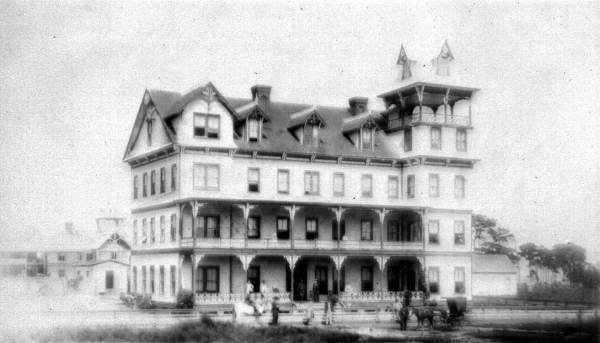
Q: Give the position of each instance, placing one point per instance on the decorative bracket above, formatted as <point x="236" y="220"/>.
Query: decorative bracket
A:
<point x="246" y="260"/>
<point x="292" y="212"/>
<point x="382" y="213"/>
<point x="339" y="261"/>
<point x="291" y="260"/>
<point x="196" y="260"/>
<point x="383" y="260"/>
<point x="421" y="260"/>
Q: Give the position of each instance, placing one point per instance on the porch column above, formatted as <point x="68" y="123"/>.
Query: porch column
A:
<point x="193" y="257"/>
<point x="291" y="260"/>
<point x="246" y="260"/>
<point x="421" y="260"/>
<point x="292" y="212"/>
<point x="339" y="261"/>
<point x="180" y="272"/>
<point x="382" y="213"/>
<point x="338" y="216"/>
<point x="382" y="262"/>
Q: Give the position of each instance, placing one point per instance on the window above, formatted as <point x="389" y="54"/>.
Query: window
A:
<point x="408" y="139"/>
<point x="253" y="180"/>
<point x="461" y="140"/>
<point x="149" y="131"/>
<point x="173" y="280"/>
<point x="89" y="256"/>
<point x="109" y="279"/>
<point x="79" y="256"/>
<point x="162" y="229"/>
<point x="113" y="255"/>
<point x="393" y="233"/>
<point x="208" y="227"/>
<point x="459" y="186"/>
<point x="334" y="229"/>
<point x="366" y="279"/>
<point x="311" y="134"/>
<point x="436" y="138"/>
<point x="135" y="232"/>
<point x="173" y="177"/>
<point x="434" y="185"/>
<point x="312" y="228"/>
<point x="338" y="184"/>
<point x="61" y="273"/>
<point x="366" y="185"/>
<point x="144" y="231"/>
<point x="459" y="280"/>
<point x="459" y="232"/>
<point x="163" y="179"/>
<point x="206" y="125"/>
<point x="152" y="284"/>
<point x="434" y="230"/>
<point x="62" y="257"/>
<point x="311" y="183"/>
<point x="152" y="231"/>
<point x="161" y="280"/>
<point x="283" y="227"/>
<point x="144" y="279"/>
<point x="433" y="274"/>
<point x="135" y="187"/>
<point x="253" y="130"/>
<point x="367" y="138"/>
<point x="145" y="185"/>
<point x="393" y="187"/>
<point x="206" y="176"/>
<point x="134" y="276"/>
<point x="173" y="227"/>
<point x="410" y="186"/>
<point x="207" y="279"/>
<point x="254" y="227"/>
<point x="283" y="181"/>
<point x="153" y="182"/>
<point x="366" y="230"/>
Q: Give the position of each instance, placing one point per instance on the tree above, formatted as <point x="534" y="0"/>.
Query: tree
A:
<point x="492" y="239"/>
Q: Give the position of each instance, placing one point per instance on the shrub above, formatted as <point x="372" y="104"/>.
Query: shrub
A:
<point x="144" y="302"/>
<point x="185" y="300"/>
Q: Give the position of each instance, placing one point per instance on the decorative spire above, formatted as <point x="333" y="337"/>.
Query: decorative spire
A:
<point x="405" y="63"/>
<point x="442" y="62"/>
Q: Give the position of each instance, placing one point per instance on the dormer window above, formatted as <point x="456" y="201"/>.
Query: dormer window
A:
<point x="253" y="130"/>
<point x="311" y="134"/>
<point x="206" y="125"/>
<point x="366" y="137"/>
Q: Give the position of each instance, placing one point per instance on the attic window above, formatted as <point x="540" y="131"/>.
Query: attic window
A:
<point x="366" y="137"/>
<point x="311" y="134"/>
<point x="206" y="125"/>
<point x="253" y="130"/>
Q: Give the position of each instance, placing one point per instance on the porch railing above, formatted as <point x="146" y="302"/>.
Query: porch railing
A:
<point x="272" y="243"/>
<point x="403" y="245"/>
<point x="232" y="298"/>
<point x="439" y="119"/>
<point x="315" y="244"/>
<point x="377" y="296"/>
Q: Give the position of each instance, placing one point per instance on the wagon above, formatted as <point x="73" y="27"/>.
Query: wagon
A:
<point x="456" y="310"/>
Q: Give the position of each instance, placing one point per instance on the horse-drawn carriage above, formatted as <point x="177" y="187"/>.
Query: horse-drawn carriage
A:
<point x="430" y="313"/>
<point x="456" y="310"/>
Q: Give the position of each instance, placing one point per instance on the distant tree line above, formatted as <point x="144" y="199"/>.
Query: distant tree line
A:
<point x="569" y="257"/>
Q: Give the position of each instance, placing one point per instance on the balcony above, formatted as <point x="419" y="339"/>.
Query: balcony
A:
<point x="430" y="118"/>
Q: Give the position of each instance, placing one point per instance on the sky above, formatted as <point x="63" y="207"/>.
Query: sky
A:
<point x="72" y="75"/>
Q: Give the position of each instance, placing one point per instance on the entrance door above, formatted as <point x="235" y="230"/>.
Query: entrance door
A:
<point x="393" y="278"/>
<point x="254" y="277"/>
<point x="321" y="277"/>
<point x="110" y="280"/>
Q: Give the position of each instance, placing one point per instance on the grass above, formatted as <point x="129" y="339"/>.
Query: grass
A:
<point x="204" y="331"/>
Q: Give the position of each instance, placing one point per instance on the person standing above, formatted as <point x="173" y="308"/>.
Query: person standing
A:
<point x="275" y="311"/>
<point x="315" y="291"/>
<point x="301" y="290"/>
<point x="263" y="288"/>
<point x="249" y="288"/>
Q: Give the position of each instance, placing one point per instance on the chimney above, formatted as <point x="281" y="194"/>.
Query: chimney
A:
<point x="262" y="94"/>
<point x="358" y="104"/>
<point x="69" y="228"/>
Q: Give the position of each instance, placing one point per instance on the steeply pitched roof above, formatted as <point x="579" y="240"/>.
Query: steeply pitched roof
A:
<point x="357" y="121"/>
<point x="492" y="264"/>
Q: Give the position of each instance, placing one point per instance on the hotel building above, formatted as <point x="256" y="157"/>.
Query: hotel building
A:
<point x="364" y="203"/>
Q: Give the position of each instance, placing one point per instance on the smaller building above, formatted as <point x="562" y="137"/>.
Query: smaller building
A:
<point x="494" y="275"/>
<point x="532" y="275"/>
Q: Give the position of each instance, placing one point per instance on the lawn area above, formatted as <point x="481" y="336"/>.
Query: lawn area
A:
<point x="206" y="330"/>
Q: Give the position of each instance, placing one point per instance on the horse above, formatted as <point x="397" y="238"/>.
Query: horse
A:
<point x="403" y="315"/>
<point x="423" y="313"/>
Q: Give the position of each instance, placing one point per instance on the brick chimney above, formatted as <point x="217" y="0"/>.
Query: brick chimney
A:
<point x="262" y="94"/>
<point x="358" y="104"/>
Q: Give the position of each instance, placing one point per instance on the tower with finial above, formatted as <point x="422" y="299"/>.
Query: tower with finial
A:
<point x="404" y="65"/>
<point x="441" y="64"/>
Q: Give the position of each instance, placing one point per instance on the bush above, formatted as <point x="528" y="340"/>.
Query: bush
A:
<point x="559" y="292"/>
<point x="185" y="300"/>
<point x="127" y="299"/>
<point x="144" y="302"/>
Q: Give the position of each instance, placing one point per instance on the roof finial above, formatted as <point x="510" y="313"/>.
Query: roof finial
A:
<point x="405" y="63"/>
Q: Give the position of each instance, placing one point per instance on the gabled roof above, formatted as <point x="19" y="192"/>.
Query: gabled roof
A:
<point x="356" y="122"/>
<point x="208" y="91"/>
<point x="300" y="118"/>
<point x="245" y="110"/>
<point x="492" y="264"/>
